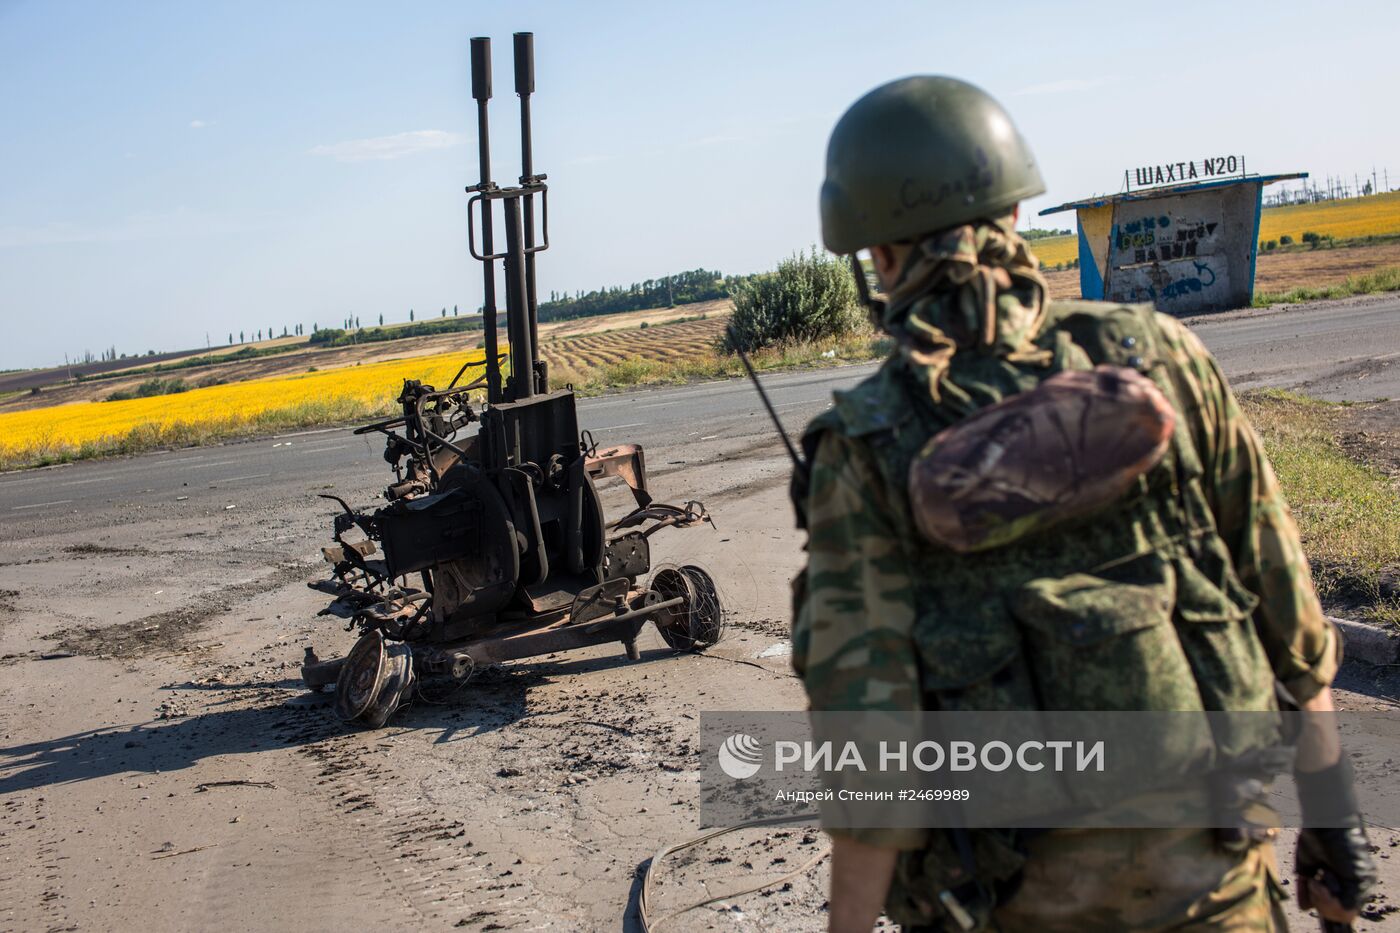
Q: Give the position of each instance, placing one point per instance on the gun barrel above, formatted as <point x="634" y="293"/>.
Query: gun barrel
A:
<point x="522" y="344"/>
<point x="525" y="86"/>
<point x="524" y="63"/>
<point x="481" y="67"/>
<point x="481" y="91"/>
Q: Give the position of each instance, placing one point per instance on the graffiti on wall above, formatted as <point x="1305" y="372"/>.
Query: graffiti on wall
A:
<point x="1180" y="285"/>
<point x="1204" y="278"/>
<point x="1158" y="239"/>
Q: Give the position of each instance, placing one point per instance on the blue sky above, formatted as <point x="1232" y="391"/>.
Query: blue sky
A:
<point x="170" y="169"/>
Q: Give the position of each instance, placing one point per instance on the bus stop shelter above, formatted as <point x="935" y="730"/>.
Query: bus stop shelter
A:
<point x="1187" y="248"/>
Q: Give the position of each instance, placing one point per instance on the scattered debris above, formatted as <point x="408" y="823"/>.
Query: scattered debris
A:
<point x="214" y="845"/>
<point x="201" y="788"/>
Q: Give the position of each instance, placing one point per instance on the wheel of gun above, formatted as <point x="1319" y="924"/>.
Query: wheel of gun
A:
<point x="493" y="545"/>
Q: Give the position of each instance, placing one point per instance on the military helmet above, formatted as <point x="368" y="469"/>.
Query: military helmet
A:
<point x="918" y="155"/>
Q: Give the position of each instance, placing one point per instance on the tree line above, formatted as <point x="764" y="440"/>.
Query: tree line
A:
<point x="679" y="289"/>
<point x="341" y="336"/>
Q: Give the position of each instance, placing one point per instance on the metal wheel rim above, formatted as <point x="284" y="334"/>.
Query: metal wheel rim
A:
<point x="395" y="685"/>
<point x="360" y="677"/>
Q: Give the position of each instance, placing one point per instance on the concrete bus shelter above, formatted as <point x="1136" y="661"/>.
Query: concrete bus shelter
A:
<point x="1187" y="248"/>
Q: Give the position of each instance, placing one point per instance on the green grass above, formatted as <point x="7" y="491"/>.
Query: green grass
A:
<point x="1383" y="280"/>
<point x="1348" y="512"/>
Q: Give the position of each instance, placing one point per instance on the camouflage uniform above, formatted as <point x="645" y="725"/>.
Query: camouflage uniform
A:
<point x="885" y="620"/>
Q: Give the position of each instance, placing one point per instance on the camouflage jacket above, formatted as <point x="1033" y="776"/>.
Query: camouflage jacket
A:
<point x="885" y="621"/>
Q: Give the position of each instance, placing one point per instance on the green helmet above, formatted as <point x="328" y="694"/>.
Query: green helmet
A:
<point x="918" y="155"/>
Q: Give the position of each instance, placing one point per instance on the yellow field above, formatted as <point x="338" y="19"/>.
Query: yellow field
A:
<point x="1377" y="215"/>
<point x="84" y="428"/>
<point x="1056" y="250"/>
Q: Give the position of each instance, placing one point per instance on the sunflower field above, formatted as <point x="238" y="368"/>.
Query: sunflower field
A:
<point x="85" y="429"/>
<point x="1377" y="215"/>
<point x="1053" y="251"/>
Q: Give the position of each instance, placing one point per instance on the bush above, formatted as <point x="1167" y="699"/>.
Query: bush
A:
<point x="809" y="297"/>
<point x="1311" y="238"/>
<point x="1285" y="240"/>
<point x="327" y="336"/>
<point x="149" y="388"/>
<point x="1270" y="245"/>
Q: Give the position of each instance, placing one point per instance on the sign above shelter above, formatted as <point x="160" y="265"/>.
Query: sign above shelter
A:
<point x="1177" y="173"/>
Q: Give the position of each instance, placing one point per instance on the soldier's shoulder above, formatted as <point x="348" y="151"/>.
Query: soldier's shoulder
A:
<point x="1063" y="312"/>
<point x="1117" y="333"/>
<point x="874" y="404"/>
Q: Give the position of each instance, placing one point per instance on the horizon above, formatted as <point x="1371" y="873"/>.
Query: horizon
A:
<point x="176" y="172"/>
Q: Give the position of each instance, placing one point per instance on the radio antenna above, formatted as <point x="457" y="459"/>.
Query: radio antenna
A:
<point x="797" y="460"/>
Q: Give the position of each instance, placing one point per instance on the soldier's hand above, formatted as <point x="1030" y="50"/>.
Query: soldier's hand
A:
<point x="1336" y="872"/>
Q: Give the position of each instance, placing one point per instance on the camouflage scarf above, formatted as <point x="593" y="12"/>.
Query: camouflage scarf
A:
<point x="974" y="287"/>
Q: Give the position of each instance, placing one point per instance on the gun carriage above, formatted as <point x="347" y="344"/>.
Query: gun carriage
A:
<point x="493" y="545"/>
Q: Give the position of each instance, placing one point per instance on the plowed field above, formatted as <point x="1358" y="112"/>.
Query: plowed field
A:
<point x="671" y="341"/>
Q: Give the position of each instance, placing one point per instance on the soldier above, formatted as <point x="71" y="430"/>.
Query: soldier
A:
<point x="923" y="590"/>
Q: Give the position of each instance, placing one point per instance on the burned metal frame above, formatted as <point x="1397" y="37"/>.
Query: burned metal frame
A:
<point x="501" y="527"/>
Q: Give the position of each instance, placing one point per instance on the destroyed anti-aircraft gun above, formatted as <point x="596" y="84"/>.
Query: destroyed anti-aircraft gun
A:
<point x="494" y="543"/>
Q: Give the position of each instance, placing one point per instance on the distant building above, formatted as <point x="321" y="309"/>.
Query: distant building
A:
<point x="1188" y="247"/>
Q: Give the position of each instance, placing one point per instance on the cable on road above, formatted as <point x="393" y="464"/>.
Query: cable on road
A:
<point x="644" y="900"/>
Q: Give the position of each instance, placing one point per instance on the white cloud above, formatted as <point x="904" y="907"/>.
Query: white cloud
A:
<point x="383" y="148"/>
<point x="717" y="139"/>
<point x="145" y="225"/>
<point x="1063" y="87"/>
<point x="200" y="124"/>
<point x="593" y="159"/>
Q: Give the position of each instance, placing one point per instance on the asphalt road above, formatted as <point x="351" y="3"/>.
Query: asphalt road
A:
<point x="1344" y="350"/>
<point x="153" y="613"/>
